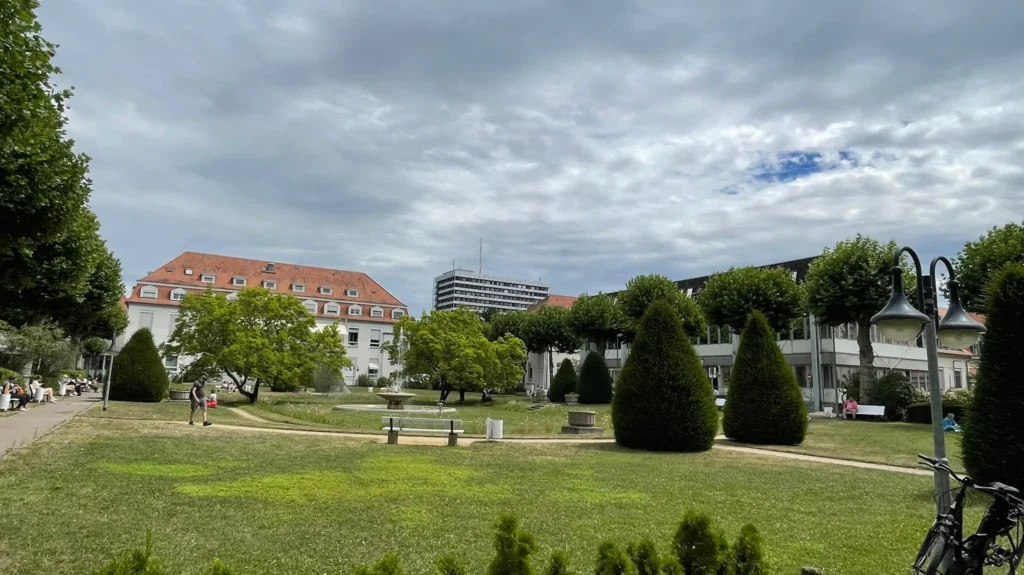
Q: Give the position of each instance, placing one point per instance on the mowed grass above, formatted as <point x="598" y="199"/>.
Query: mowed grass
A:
<point x="266" y="503"/>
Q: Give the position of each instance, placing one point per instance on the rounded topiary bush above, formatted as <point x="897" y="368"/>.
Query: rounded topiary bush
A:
<point x="139" y="373"/>
<point x="764" y="404"/>
<point x="663" y="401"/>
<point x="993" y="437"/>
<point x="896" y="393"/>
<point x="565" y="381"/>
<point x="595" y="381"/>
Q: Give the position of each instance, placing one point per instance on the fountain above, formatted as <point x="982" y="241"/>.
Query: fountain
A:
<point x="396" y="399"/>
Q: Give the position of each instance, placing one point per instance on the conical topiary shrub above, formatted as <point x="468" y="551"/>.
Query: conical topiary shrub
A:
<point x="565" y="381"/>
<point x="595" y="381"/>
<point x="663" y="401"/>
<point x="139" y="373"/>
<point x="993" y="436"/>
<point x="764" y="404"/>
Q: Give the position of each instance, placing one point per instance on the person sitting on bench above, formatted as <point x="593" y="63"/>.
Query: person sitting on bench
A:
<point x="850" y="408"/>
<point x="17" y="393"/>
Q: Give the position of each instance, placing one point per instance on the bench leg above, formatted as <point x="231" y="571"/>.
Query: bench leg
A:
<point x="392" y="438"/>
<point x="453" y="439"/>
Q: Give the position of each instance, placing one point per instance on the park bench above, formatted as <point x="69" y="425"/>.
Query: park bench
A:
<point x="720" y="402"/>
<point x="871" y="411"/>
<point x="394" y="425"/>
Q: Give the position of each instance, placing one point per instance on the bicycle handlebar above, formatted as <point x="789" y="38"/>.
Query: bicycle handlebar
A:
<point x="943" y="464"/>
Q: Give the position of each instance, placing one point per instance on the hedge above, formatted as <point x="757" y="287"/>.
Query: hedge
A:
<point x="595" y="381"/>
<point x="921" y="412"/>
<point x="564" y="382"/>
<point x="138" y="372"/>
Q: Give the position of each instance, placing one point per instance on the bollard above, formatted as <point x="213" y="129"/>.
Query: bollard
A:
<point x="453" y="439"/>
<point x="392" y="437"/>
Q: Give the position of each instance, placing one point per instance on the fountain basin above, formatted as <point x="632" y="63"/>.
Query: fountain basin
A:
<point x="379" y="408"/>
<point x="396" y="399"/>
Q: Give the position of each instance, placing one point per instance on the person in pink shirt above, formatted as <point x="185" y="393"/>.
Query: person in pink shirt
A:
<point x="850" y="408"/>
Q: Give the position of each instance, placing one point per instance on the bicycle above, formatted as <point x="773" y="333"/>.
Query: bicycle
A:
<point x="946" y="552"/>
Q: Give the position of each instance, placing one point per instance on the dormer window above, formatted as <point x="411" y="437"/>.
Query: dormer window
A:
<point x="310" y="306"/>
<point x="299" y="288"/>
<point x="177" y="294"/>
<point x="397" y="314"/>
<point x="326" y="290"/>
<point x="149" y="292"/>
<point x="355" y="310"/>
<point x="377" y="312"/>
<point x="238" y="281"/>
<point x="188" y="271"/>
<point x="269" y="284"/>
<point x="270" y="268"/>
<point x="352" y="292"/>
<point x="207" y="278"/>
<point x="332" y="309"/>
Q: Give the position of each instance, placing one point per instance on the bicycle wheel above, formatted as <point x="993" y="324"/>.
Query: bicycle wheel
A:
<point x="937" y="555"/>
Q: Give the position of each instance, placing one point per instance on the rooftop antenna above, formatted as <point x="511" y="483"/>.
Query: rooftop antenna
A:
<point x="481" y="270"/>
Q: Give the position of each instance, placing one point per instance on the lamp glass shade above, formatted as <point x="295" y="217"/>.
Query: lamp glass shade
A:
<point x="957" y="329"/>
<point x="899" y="321"/>
<point x="902" y="330"/>
<point x="957" y="339"/>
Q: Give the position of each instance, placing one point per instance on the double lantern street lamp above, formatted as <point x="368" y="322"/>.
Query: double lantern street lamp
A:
<point x="900" y="321"/>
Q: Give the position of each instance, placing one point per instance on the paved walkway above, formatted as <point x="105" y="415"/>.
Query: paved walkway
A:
<point x="24" y="427"/>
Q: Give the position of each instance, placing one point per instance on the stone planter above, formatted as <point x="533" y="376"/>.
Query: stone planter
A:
<point x="572" y="398"/>
<point x="179" y="395"/>
<point x="583" y="418"/>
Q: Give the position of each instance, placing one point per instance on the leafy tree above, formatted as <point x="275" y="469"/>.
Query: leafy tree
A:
<point x="642" y="291"/>
<point x="546" y="331"/>
<point x="700" y="546"/>
<point x="508" y="323"/>
<point x="138" y="372"/>
<point x="565" y="382"/>
<point x="94" y="346"/>
<point x="39" y="349"/>
<point x="849" y="284"/>
<point x="201" y="367"/>
<point x="747" y="555"/>
<point x="993" y="438"/>
<point x="98" y="312"/>
<point x="512" y="549"/>
<point x="729" y="297"/>
<point x="896" y="393"/>
<point x="764" y="404"/>
<point x="980" y="259"/>
<point x="452" y="346"/>
<point x="595" y="386"/>
<point x="612" y="560"/>
<point x="663" y="401"/>
<point x="596" y="319"/>
<point x="258" y="337"/>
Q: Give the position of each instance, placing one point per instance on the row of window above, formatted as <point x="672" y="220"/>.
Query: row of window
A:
<point x="494" y="283"/>
<point x="448" y="286"/>
<point x="239" y="281"/>
<point x="330" y="308"/>
<point x="375" y="337"/>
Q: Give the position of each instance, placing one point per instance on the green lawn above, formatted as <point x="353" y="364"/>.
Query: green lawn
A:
<point x="292" y="504"/>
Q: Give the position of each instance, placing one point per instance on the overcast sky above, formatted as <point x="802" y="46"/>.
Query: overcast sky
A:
<point x="586" y="142"/>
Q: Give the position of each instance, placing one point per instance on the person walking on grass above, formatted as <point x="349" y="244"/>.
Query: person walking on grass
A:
<point x="197" y="400"/>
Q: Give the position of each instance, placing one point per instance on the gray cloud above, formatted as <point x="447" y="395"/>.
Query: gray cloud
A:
<point x="586" y="142"/>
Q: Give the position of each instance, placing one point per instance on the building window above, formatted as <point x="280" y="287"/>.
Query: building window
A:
<point x="353" y="336"/>
<point x="325" y="290"/>
<point x="146" y="320"/>
<point x="373" y="370"/>
<point x="269" y="284"/>
<point x="207" y="278"/>
<point x="958" y="378"/>
<point x="377" y="312"/>
<point x="240" y="282"/>
<point x="172" y="322"/>
<point x="355" y="310"/>
<point x="397" y="313"/>
<point x="332" y="309"/>
<point x="299" y="288"/>
<point x="352" y="292"/>
<point x="310" y="306"/>
<point x="919" y="379"/>
<point x="171" y="362"/>
<point x="374" y="338"/>
<point x="149" y="292"/>
<point x="177" y="294"/>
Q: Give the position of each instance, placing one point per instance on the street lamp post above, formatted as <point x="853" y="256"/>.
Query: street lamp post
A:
<point x="106" y="386"/>
<point x="901" y="321"/>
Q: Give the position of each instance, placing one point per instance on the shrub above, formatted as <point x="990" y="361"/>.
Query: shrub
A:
<point x="595" y="384"/>
<point x="449" y="565"/>
<point x="671" y="566"/>
<point x="139" y="373"/>
<point x="962" y="396"/>
<point x="664" y="401"/>
<point x="74" y="373"/>
<point x="559" y="564"/>
<point x="993" y="439"/>
<point x="565" y="381"/>
<point x="388" y="565"/>
<point x="764" y="403"/>
<point x="747" y="555"/>
<point x="512" y="549"/>
<point x="921" y="411"/>
<point x="700" y="546"/>
<point x="218" y="568"/>
<point x="6" y="374"/>
<point x="644" y="556"/>
<point x="135" y="562"/>
<point x="611" y="560"/>
<point x="364" y="381"/>
<point x="850" y="386"/>
<point x="896" y="393"/>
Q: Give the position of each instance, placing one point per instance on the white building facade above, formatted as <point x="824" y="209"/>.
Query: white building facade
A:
<point x="464" y="288"/>
<point x="363" y="310"/>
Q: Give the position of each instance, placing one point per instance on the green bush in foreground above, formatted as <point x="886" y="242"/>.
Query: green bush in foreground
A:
<point x="921" y="412"/>
<point x="896" y="393"/>
<point x="512" y="548"/>
<point x="564" y="382"/>
<point x="388" y="565"/>
<point x="558" y="565"/>
<point x="993" y="439"/>
<point x="664" y="401"/>
<point x="700" y="546"/>
<point x="747" y="555"/>
<point x="449" y="565"/>
<point x="764" y="404"/>
<point x="139" y="373"/>
<point x="595" y="385"/>
<point x="611" y="560"/>
<point x="644" y="556"/>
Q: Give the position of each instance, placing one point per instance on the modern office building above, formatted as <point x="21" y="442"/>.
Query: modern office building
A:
<point x="465" y="288"/>
<point x="363" y="310"/>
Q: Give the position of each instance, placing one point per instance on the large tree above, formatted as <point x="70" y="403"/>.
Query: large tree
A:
<point x="98" y="313"/>
<point x="976" y="263"/>
<point x="451" y="347"/>
<point x="729" y="297"/>
<point x="546" y="331"/>
<point x="507" y="323"/>
<point x="596" y="319"/>
<point x="642" y="291"/>
<point x="260" y="337"/>
<point x="850" y="283"/>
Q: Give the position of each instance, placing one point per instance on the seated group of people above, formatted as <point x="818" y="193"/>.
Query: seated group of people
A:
<point x="17" y="393"/>
<point x="23" y="395"/>
<point x="79" y="385"/>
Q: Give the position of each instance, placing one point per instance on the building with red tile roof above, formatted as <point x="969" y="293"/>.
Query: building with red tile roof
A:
<point x="563" y="301"/>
